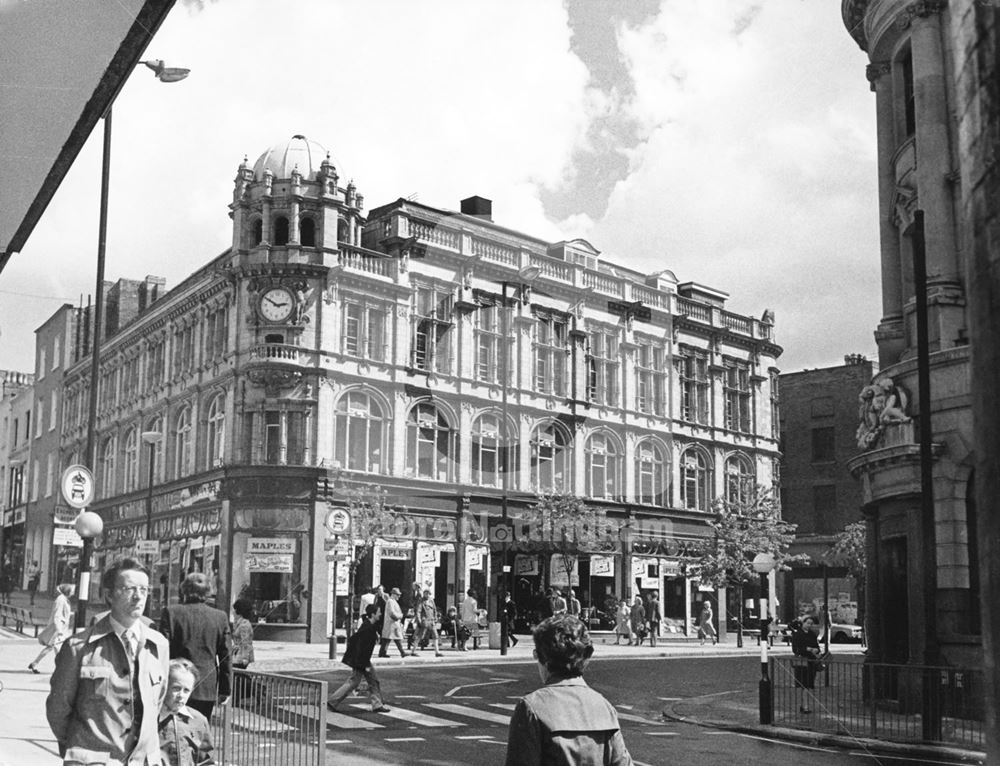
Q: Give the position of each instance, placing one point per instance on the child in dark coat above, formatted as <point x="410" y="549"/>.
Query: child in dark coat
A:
<point x="185" y="739"/>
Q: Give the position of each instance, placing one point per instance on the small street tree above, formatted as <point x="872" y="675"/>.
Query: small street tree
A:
<point x="371" y="515"/>
<point x="564" y="525"/>
<point x="849" y="551"/>
<point x="742" y="528"/>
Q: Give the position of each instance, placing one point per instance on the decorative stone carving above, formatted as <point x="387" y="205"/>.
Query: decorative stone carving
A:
<point x="921" y="9"/>
<point x="273" y="380"/>
<point x="879" y="405"/>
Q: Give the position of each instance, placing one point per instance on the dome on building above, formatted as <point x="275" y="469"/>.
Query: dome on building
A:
<point x="284" y="157"/>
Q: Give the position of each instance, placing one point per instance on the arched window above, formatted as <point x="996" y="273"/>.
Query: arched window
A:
<point x="281" y="230"/>
<point x="131" y="472"/>
<point x="256" y="232"/>
<point x="550" y="459"/>
<point x="359" y="433"/>
<point x="307" y="232"/>
<point x="489" y="458"/>
<point x="739" y="480"/>
<point x="603" y="467"/>
<point x="182" y="444"/>
<point x="216" y="433"/>
<point x="696" y="480"/>
<point x="343" y="231"/>
<point x="429" y="443"/>
<point x="108" y="485"/>
<point x="651" y="474"/>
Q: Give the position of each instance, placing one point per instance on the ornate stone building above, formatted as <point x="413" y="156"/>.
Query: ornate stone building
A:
<point x="458" y="365"/>
<point x="911" y="71"/>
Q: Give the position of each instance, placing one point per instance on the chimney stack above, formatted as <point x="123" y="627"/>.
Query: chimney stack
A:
<point x="478" y="207"/>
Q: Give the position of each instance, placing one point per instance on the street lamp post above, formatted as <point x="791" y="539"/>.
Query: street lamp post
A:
<point x="164" y="74"/>
<point x="151" y="439"/>
<point x="88" y="525"/>
<point x="525" y="276"/>
<point x="763" y="564"/>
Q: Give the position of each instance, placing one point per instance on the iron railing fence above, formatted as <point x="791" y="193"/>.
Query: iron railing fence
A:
<point x="904" y="703"/>
<point x="271" y="720"/>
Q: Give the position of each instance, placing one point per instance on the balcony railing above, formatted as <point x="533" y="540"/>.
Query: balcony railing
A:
<point x="276" y="352"/>
<point x="356" y="260"/>
<point x="696" y="311"/>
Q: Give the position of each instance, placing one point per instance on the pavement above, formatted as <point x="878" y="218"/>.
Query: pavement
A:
<point x="25" y="737"/>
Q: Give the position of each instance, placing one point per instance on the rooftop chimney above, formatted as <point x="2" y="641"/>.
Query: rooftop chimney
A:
<point x="479" y="207"/>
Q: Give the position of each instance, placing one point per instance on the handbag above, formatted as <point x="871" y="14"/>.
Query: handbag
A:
<point x="48" y="635"/>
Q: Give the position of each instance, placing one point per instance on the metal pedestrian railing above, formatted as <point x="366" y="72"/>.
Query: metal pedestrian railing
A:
<point x="271" y="720"/>
<point x="904" y="703"/>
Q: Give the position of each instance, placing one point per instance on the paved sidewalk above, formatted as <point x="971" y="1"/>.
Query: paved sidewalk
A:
<point x="739" y="711"/>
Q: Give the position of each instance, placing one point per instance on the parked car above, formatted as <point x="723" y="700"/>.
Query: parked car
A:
<point x="843" y="633"/>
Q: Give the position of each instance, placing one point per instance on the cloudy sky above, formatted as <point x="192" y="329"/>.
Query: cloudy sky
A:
<point x="730" y="141"/>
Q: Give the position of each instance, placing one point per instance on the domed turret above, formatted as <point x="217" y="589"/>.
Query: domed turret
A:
<point x="297" y="153"/>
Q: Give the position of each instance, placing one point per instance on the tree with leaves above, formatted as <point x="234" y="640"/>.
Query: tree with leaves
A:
<point x="371" y="515"/>
<point x="743" y="527"/>
<point x="849" y="551"/>
<point x="564" y="525"/>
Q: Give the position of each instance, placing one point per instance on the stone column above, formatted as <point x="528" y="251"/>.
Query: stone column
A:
<point x="890" y="330"/>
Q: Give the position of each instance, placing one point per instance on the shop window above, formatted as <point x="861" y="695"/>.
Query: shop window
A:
<point x="429" y="443"/>
<point x="281" y="230"/>
<point x="359" y="429"/>
<point x="651" y="474"/>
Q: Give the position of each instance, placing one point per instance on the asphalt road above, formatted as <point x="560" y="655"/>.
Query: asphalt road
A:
<point x="447" y="715"/>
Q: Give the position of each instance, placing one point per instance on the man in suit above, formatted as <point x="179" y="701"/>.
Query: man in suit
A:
<point x="200" y="633"/>
<point x="358" y="657"/>
<point x="110" y="679"/>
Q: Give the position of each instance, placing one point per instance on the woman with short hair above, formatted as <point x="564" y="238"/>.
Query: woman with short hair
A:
<point x="564" y="722"/>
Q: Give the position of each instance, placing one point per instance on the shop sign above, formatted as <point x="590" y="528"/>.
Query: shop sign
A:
<point x="649" y="583"/>
<point x="65" y="515"/>
<point x="19" y="515"/>
<point x="66" y="537"/>
<point x="270" y="545"/>
<point x="474" y="557"/>
<point x="525" y="565"/>
<point x="602" y="566"/>
<point x="196" y="543"/>
<point x="213" y="541"/>
<point x="558" y="574"/>
<point x="638" y="567"/>
<point x="398" y="554"/>
<point x="8" y="518"/>
<point x="147" y="547"/>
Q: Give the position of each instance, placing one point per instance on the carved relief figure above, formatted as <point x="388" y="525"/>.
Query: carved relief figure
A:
<point x="879" y="405"/>
<point x="895" y="403"/>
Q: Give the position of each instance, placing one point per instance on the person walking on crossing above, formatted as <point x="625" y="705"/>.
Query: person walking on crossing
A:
<point x="358" y="657"/>
<point x="57" y="628"/>
<point x="392" y="627"/>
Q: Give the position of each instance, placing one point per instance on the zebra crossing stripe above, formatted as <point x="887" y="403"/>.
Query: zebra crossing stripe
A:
<point x="414" y="717"/>
<point x="341" y="721"/>
<point x="471" y="712"/>
<point x="503" y="705"/>
<point x="639" y="719"/>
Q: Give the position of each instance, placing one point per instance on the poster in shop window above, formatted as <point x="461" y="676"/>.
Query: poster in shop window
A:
<point x="271" y="554"/>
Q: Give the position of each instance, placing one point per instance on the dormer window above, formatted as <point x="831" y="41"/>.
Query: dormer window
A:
<point x="307" y="232"/>
<point x="281" y="230"/>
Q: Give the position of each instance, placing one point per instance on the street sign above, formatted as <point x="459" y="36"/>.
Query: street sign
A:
<point x="77" y="486"/>
<point x="66" y="537"/>
<point x="338" y="521"/>
<point x="336" y="556"/>
<point x="147" y="547"/>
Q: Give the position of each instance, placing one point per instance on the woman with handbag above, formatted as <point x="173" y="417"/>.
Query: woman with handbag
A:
<point x="57" y="628"/>
<point x="805" y="646"/>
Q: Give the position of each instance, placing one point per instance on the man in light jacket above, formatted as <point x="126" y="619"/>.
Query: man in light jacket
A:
<point x="110" y="680"/>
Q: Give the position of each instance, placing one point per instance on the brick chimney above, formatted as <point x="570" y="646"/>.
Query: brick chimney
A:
<point x="479" y="207"/>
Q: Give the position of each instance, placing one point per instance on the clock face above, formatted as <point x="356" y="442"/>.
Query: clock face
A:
<point x="276" y="304"/>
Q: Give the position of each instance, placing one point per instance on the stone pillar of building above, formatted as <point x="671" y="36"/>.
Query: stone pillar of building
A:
<point x="889" y="335"/>
<point x="295" y="215"/>
<point x="935" y="180"/>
